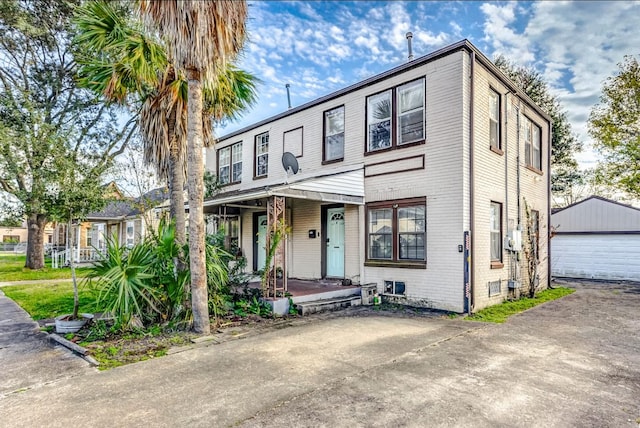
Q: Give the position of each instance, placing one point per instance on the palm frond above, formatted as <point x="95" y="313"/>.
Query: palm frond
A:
<point x="204" y="35"/>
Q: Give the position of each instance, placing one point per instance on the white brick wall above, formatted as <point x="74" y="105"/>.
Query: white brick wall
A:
<point x="444" y="182"/>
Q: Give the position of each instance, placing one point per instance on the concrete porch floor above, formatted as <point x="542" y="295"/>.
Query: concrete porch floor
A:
<point x="308" y="290"/>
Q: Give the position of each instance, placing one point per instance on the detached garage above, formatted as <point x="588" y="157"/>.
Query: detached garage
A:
<point x="596" y="238"/>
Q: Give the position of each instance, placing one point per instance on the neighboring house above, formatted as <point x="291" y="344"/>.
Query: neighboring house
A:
<point x="127" y="219"/>
<point x="413" y="180"/>
<point x="596" y="238"/>
<point x="10" y="236"/>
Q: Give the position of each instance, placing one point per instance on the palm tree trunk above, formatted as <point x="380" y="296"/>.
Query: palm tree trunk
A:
<point x="195" y="176"/>
<point x="176" y="187"/>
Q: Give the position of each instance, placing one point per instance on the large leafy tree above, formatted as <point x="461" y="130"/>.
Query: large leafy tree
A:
<point x="48" y="122"/>
<point x="565" y="174"/>
<point x="614" y="125"/>
<point x="201" y="37"/>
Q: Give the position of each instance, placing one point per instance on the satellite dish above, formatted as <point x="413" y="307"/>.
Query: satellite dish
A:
<point x="289" y="162"/>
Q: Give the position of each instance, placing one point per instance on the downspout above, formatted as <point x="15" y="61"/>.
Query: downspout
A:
<point x="506" y="159"/>
<point x="506" y="174"/>
<point x="549" y="141"/>
<point x="518" y="159"/>
<point x="471" y="182"/>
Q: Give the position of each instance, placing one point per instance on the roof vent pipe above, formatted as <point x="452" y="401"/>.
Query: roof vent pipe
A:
<point x="288" y="95"/>
<point x="409" y="37"/>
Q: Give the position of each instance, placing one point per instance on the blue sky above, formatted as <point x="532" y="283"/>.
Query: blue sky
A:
<point x="319" y="47"/>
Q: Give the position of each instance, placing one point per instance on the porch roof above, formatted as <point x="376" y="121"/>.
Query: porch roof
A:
<point x="342" y="187"/>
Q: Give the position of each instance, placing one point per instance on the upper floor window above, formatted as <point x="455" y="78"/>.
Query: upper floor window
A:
<point x="494" y="119"/>
<point x="396" y="116"/>
<point x="532" y="144"/>
<point x="397" y="231"/>
<point x="411" y="112"/>
<point x="495" y="227"/>
<point x="262" y="155"/>
<point x="230" y="164"/>
<point x="334" y="134"/>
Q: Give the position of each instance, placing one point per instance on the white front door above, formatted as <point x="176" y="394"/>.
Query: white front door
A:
<point x="262" y="241"/>
<point x="335" y="242"/>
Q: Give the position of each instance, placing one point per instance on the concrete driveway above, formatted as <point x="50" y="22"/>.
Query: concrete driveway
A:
<point x="27" y="357"/>
<point x="572" y="362"/>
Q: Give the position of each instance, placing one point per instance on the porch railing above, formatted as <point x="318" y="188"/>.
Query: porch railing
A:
<point x="80" y="255"/>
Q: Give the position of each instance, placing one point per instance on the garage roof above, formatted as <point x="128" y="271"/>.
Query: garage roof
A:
<point x="596" y="214"/>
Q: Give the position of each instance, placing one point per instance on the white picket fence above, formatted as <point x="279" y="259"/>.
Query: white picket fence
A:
<point x="80" y="255"/>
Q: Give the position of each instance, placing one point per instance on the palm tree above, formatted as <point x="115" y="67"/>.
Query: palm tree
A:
<point x="115" y="49"/>
<point x="201" y="36"/>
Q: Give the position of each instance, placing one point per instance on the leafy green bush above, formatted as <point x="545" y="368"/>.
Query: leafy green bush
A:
<point x="121" y="282"/>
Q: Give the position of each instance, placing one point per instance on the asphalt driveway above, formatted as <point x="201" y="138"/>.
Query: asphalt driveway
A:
<point x="571" y="362"/>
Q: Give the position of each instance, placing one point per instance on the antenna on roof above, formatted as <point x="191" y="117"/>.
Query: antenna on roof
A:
<point x="288" y="95"/>
<point x="409" y="37"/>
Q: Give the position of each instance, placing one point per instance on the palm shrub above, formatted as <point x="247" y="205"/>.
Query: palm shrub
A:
<point x="168" y="280"/>
<point x="217" y="279"/>
<point x="121" y="282"/>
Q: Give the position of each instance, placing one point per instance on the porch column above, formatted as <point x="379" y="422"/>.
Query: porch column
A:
<point x="276" y="257"/>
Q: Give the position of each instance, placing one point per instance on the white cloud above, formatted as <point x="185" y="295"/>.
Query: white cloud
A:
<point x="501" y="36"/>
<point x="574" y="45"/>
<point x="432" y="40"/>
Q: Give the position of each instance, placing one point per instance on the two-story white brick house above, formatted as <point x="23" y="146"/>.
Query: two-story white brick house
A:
<point x="414" y="179"/>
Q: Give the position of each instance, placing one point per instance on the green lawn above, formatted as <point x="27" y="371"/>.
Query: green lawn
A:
<point x="12" y="269"/>
<point x="500" y="313"/>
<point x="49" y="300"/>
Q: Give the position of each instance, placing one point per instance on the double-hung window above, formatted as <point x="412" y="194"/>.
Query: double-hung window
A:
<point x="494" y="120"/>
<point x="410" y="99"/>
<point x="532" y="144"/>
<point x="262" y="155"/>
<point x="334" y="134"/>
<point x="396" y="116"/>
<point x="495" y="226"/>
<point x="397" y="231"/>
<point x="130" y="237"/>
<point x="230" y="164"/>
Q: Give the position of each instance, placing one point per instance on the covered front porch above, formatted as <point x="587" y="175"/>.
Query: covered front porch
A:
<point x="318" y="218"/>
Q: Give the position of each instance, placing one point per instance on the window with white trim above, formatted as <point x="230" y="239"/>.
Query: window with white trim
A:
<point x="230" y="164"/>
<point x="130" y="234"/>
<point x="334" y="134"/>
<point x="262" y="155"/>
<point x="494" y="119"/>
<point x="532" y="144"/>
<point x="495" y="226"/>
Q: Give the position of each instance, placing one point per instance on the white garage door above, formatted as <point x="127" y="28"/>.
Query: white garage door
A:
<point x="596" y="256"/>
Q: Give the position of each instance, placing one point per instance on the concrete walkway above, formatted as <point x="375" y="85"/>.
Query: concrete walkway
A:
<point x="35" y="281"/>
<point x="571" y="362"/>
<point x="27" y="358"/>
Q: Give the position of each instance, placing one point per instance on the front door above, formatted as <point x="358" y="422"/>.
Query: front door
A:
<point x="261" y="255"/>
<point x="335" y="242"/>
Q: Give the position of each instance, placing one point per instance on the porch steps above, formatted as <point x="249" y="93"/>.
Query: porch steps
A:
<point x="323" y="305"/>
